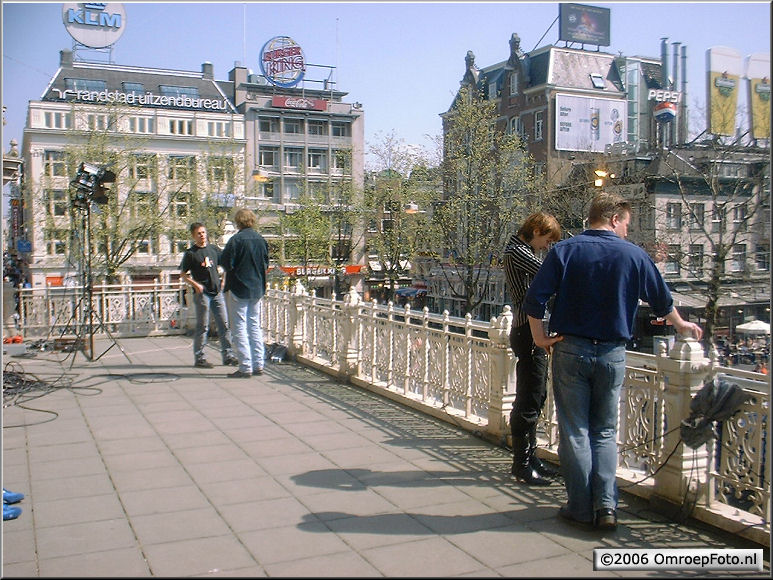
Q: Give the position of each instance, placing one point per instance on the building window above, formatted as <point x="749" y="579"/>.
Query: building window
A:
<point x="56" y="202"/>
<point x="696" y="216"/>
<point x="318" y="160"/>
<point x="293" y="158"/>
<point x="220" y="170"/>
<point x="179" y="205"/>
<point x="179" y="241"/>
<point x="738" y="258"/>
<point x="718" y="219"/>
<point x="142" y="166"/>
<point x="56" y="241"/>
<point x="85" y="85"/>
<point x="143" y="247"/>
<point x="674" y="216"/>
<point x="316" y="127"/>
<point x="54" y="164"/>
<point x="739" y="217"/>
<point x="513" y="83"/>
<point x="268" y="125"/>
<point x="672" y="260"/>
<point x="538" y="125"/>
<point x="142" y="205"/>
<point x="340" y="129"/>
<point x="136" y="88"/>
<point x="539" y="169"/>
<point x="181" y="126"/>
<point x="492" y="90"/>
<point x="267" y="189"/>
<point x="218" y="129"/>
<point x="341" y="160"/>
<point x="292" y="189"/>
<point x="696" y="260"/>
<point x="55" y="120"/>
<point x="141" y="125"/>
<point x="293" y="126"/>
<point x="175" y="91"/>
<point x="269" y="157"/>
<point x="98" y="122"/>
<point x="181" y="168"/>
<point x="597" y="80"/>
<point x="763" y="257"/>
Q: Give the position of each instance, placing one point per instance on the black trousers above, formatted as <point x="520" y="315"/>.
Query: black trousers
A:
<point x="531" y="373"/>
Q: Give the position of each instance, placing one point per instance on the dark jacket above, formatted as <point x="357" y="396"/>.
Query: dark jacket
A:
<point x="245" y="261"/>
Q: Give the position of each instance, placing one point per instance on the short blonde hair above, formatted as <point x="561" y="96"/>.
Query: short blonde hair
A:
<point x="244" y="218"/>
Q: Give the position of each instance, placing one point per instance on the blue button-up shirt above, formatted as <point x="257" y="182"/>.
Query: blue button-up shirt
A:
<point x="598" y="279"/>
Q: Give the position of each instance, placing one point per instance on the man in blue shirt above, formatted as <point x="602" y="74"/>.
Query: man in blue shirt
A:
<point x="245" y="260"/>
<point x="597" y="278"/>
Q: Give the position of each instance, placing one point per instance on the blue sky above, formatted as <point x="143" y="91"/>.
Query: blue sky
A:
<point x="402" y="60"/>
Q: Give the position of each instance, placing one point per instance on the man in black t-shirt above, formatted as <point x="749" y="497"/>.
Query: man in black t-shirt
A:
<point x="199" y="270"/>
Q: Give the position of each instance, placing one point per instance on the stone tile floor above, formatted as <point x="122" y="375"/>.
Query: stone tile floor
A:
<point x="138" y="464"/>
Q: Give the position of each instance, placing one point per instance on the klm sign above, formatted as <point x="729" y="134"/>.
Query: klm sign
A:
<point x="94" y="24"/>
<point x="94" y="15"/>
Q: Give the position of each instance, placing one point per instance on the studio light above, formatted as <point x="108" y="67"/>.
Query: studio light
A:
<point x="89" y="185"/>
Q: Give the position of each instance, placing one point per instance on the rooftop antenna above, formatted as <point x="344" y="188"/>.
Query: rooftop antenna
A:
<point x="244" y="33"/>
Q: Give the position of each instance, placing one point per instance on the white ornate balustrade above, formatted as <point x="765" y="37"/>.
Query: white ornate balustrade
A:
<point x="461" y="371"/>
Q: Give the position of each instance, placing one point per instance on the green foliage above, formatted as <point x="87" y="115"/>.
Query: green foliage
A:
<point x="488" y="179"/>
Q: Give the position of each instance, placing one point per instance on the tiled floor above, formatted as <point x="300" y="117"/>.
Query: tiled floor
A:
<point x="138" y="464"/>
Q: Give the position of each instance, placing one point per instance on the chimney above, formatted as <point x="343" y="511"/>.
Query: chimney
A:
<point x="208" y="70"/>
<point x="664" y="63"/>
<point x="65" y="58"/>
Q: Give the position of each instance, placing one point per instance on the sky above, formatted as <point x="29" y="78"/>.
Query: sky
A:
<point x="402" y="60"/>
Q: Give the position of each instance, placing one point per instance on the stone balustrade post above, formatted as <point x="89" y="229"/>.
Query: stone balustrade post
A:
<point x="683" y="370"/>
<point x="348" y="349"/>
<point x="501" y="376"/>
<point x="296" y="319"/>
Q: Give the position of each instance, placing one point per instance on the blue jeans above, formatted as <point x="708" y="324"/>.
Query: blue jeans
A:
<point x="204" y="303"/>
<point x="587" y="378"/>
<point x="247" y="332"/>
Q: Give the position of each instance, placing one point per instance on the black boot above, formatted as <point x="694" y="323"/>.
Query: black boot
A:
<point x="534" y="461"/>
<point x="522" y="469"/>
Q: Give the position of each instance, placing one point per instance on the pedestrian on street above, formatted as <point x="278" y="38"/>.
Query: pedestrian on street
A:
<point x="245" y="260"/>
<point x="536" y="233"/>
<point x="597" y="278"/>
<point x="199" y="270"/>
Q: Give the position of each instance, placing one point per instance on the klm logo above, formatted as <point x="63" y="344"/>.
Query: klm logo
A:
<point x="93" y="14"/>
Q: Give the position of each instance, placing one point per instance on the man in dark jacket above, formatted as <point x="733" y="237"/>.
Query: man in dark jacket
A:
<point x="245" y="261"/>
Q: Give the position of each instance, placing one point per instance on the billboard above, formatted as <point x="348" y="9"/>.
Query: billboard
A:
<point x="758" y="93"/>
<point x="723" y="70"/>
<point x="589" y="124"/>
<point x="94" y="24"/>
<point x="584" y="24"/>
<point x="282" y="62"/>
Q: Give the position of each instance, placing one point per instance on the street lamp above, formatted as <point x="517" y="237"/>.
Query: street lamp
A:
<point x="601" y="175"/>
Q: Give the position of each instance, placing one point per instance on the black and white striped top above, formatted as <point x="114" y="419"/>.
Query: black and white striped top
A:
<point x="521" y="265"/>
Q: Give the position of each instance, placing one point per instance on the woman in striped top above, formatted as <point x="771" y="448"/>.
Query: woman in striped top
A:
<point x="521" y="264"/>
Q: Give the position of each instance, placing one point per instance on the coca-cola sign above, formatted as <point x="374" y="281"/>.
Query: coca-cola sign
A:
<point x="282" y="63"/>
<point x="299" y="103"/>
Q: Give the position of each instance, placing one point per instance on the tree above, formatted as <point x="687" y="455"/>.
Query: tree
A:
<point x="487" y="178"/>
<point x="306" y="233"/>
<point x="152" y="201"/>
<point x="395" y="205"/>
<point x="714" y="224"/>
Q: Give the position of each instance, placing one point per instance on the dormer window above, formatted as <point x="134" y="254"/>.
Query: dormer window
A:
<point x="597" y="80"/>
<point x="514" y="83"/>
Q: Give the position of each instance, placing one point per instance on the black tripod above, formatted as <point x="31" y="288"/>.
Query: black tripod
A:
<point x="85" y="305"/>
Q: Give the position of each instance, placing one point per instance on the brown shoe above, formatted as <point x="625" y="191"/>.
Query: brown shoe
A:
<point x="203" y="364"/>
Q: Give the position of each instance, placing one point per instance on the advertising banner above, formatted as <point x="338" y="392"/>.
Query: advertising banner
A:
<point x="758" y="91"/>
<point x="585" y="24"/>
<point x="723" y="69"/>
<point x="589" y="124"/>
